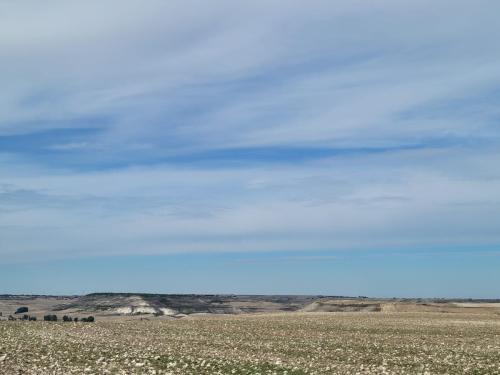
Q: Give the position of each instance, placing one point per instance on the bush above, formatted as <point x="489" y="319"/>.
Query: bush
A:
<point x="67" y="318"/>
<point x="21" y="310"/>
<point x="50" y="318"/>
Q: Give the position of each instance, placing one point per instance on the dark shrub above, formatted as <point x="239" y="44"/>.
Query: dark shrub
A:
<point x="26" y="317"/>
<point x="89" y="319"/>
<point x="67" y="318"/>
<point x="50" y="318"/>
<point x="75" y="319"/>
<point x="21" y="310"/>
<point x="32" y="318"/>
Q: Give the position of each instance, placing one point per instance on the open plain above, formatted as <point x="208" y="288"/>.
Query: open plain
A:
<point x="399" y="338"/>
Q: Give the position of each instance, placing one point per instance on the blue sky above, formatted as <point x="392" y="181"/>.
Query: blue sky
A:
<point x="342" y="135"/>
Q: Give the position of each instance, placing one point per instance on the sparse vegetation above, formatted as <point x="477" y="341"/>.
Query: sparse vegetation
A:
<point x="294" y="343"/>
<point x="22" y="310"/>
<point x="50" y="318"/>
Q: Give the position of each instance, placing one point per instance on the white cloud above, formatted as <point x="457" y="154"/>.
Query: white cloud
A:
<point x="405" y="199"/>
<point x="174" y="78"/>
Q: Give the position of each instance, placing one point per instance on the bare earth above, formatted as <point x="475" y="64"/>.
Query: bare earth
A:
<point x="319" y="336"/>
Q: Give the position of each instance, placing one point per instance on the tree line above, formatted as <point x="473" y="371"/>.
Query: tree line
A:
<point x="47" y="318"/>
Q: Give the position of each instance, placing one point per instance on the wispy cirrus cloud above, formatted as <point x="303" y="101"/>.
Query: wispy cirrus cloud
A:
<point x="128" y="127"/>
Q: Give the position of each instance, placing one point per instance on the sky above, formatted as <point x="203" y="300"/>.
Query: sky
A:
<point x="327" y="147"/>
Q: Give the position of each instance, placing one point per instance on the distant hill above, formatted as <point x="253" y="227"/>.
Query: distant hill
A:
<point x="109" y="305"/>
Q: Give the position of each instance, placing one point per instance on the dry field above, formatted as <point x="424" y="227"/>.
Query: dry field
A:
<point x="292" y="343"/>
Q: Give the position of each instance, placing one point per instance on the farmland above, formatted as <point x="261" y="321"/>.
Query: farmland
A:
<point x="278" y="343"/>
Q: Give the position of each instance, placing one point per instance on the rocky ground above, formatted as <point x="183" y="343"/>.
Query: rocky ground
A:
<point x="282" y="343"/>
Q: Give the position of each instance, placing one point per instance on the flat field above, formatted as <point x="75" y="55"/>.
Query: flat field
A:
<point x="283" y="343"/>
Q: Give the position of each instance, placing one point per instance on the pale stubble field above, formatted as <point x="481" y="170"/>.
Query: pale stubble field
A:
<point x="286" y="343"/>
